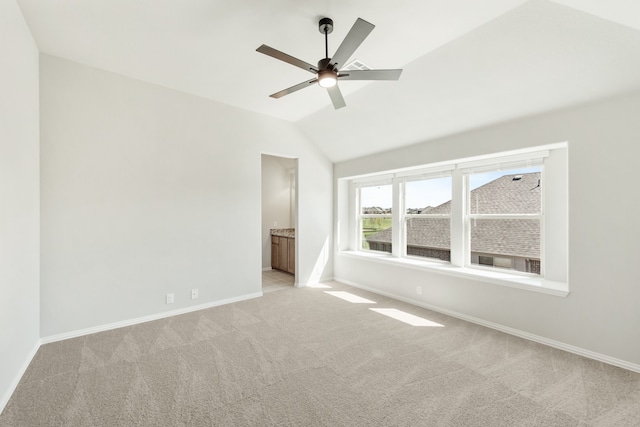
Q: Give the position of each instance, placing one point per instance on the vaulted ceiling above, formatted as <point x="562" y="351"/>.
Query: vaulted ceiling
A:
<point x="466" y="63"/>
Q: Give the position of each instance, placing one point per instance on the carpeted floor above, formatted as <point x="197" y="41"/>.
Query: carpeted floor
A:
<point x="305" y="357"/>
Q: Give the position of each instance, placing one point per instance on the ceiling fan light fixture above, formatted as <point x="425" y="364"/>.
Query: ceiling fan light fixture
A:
<point x="327" y="78"/>
<point x="329" y="70"/>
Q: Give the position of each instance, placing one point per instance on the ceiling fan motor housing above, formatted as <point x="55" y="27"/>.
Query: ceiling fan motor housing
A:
<point x="325" y="25"/>
<point x="325" y="64"/>
<point x="327" y="75"/>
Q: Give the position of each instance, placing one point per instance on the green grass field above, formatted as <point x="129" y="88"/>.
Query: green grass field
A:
<point x="372" y="226"/>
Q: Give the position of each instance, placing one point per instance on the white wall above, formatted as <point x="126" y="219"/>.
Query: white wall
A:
<point x="147" y="190"/>
<point x="276" y="199"/>
<point x="601" y="312"/>
<point x="19" y="198"/>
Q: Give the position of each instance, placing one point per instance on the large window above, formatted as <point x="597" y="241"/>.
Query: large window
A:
<point x="502" y="215"/>
<point x="486" y="213"/>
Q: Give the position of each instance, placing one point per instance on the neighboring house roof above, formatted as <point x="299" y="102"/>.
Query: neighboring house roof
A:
<point x="510" y="237"/>
<point x="374" y="210"/>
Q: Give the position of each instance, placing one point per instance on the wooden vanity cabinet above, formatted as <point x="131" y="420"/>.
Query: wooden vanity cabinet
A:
<point x="283" y="253"/>
<point x="275" y="247"/>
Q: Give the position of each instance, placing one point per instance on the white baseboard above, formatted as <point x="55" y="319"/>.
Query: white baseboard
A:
<point x="137" y="320"/>
<point x="9" y="392"/>
<point x="59" y="337"/>
<point x="266" y="268"/>
<point x="526" y="335"/>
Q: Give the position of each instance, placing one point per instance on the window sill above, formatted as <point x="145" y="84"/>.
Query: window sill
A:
<point x="534" y="284"/>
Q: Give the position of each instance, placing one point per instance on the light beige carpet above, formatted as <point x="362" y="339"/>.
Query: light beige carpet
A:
<point x="304" y="357"/>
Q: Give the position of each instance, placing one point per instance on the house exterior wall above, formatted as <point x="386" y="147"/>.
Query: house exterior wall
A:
<point x="520" y="264"/>
<point x="527" y="265"/>
<point x="440" y="254"/>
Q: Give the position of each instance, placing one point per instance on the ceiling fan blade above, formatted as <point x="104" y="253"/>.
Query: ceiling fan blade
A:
<point x="293" y="88"/>
<point x="370" y="75"/>
<point x="336" y="97"/>
<point x="356" y="36"/>
<point x="287" y="58"/>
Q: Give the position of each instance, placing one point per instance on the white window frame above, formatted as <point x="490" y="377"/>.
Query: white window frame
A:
<point x="469" y="216"/>
<point x="552" y="280"/>
<point x="404" y="216"/>
<point x="379" y="181"/>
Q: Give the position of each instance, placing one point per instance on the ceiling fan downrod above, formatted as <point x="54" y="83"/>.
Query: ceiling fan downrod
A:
<point x="327" y="75"/>
<point x="325" y="26"/>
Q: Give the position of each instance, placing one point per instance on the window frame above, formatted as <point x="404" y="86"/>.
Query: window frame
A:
<point x="361" y="216"/>
<point x="469" y="217"/>
<point x="553" y="280"/>
<point x="404" y="216"/>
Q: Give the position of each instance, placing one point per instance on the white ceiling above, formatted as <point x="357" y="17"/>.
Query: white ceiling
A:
<point x="467" y="63"/>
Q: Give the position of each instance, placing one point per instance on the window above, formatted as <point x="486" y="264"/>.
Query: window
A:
<point x="375" y="208"/>
<point x="484" y="216"/>
<point x="427" y="217"/>
<point x="504" y="214"/>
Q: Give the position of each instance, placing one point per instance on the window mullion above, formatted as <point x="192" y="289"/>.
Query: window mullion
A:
<point x="358" y="219"/>
<point x="458" y="197"/>
<point x="397" y="211"/>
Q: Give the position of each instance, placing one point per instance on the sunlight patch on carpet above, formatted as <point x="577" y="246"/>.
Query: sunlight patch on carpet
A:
<point x="347" y="296"/>
<point x="406" y="317"/>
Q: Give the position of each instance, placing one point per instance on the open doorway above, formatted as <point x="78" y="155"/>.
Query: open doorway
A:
<point x="279" y="218"/>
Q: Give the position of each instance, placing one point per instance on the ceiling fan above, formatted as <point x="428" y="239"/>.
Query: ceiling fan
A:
<point x="330" y="70"/>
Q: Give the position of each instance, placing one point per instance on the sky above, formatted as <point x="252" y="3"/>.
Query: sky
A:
<point x="432" y="192"/>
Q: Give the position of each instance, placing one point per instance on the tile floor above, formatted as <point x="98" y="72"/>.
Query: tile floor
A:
<point x="275" y="280"/>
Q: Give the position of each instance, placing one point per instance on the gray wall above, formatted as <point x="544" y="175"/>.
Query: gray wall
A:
<point x="19" y="199"/>
<point x="147" y="190"/>
<point x="601" y="312"/>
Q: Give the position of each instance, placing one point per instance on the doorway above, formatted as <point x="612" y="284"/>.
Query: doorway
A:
<point x="279" y="219"/>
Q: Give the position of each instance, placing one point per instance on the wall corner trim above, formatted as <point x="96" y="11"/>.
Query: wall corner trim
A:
<point x="516" y="332"/>
<point x="143" y="319"/>
<point x="9" y="392"/>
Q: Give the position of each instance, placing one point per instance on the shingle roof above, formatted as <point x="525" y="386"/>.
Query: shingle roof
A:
<point x="511" y="237"/>
<point x="507" y="195"/>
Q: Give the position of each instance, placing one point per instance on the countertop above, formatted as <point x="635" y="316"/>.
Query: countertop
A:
<point x="284" y="232"/>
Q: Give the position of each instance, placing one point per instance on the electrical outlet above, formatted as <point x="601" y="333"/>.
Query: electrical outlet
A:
<point x="169" y="298"/>
<point x="194" y="293"/>
<point x="419" y="290"/>
<point x="275" y="224"/>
